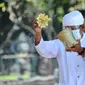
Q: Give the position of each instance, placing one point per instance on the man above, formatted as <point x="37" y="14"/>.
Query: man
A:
<point x="71" y="61"/>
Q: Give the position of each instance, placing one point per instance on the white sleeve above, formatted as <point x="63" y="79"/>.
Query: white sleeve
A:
<point x="48" y="49"/>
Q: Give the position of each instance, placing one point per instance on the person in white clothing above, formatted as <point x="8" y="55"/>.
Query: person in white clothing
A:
<point x="71" y="61"/>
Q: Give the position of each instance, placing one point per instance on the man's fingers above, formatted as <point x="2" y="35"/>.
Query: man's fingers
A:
<point x="71" y="49"/>
<point x="35" y="24"/>
<point x="78" y="41"/>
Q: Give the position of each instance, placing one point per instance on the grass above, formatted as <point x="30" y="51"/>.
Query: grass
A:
<point x="14" y="77"/>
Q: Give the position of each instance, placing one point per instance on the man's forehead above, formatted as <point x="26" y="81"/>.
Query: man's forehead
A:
<point x="77" y="26"/>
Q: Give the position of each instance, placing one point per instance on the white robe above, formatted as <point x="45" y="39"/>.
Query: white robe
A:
<point x="71" y="65"/>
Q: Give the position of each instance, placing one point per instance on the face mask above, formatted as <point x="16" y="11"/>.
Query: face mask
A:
<point x="76" y="34"/>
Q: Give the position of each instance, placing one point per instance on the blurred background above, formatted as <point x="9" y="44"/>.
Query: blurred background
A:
<point x="20" y="64"/>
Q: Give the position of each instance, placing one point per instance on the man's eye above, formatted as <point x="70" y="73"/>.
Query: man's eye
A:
<point x="73" y="28"/>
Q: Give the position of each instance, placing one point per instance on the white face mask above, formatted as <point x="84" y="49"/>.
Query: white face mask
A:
<point x="76" y="34"/>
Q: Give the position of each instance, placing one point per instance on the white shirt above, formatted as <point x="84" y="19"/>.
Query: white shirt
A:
<point x="71" y="65"/>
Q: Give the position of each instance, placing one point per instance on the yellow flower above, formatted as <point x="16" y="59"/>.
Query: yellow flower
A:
<point x="43" y="20"/>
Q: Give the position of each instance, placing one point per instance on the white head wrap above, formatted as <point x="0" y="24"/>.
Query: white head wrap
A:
<point x="73" y="18"/>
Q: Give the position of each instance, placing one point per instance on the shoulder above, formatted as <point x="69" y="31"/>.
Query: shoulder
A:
<point x="83" y="40"/>
<point x="57" y="41"/>
<point x="83" y="36"/>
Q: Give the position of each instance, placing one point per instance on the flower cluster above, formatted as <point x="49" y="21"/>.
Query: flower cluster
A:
<point x="43" y="20"/>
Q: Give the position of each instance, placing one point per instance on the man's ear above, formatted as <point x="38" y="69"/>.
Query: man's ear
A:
<point x="83" y="27"/>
